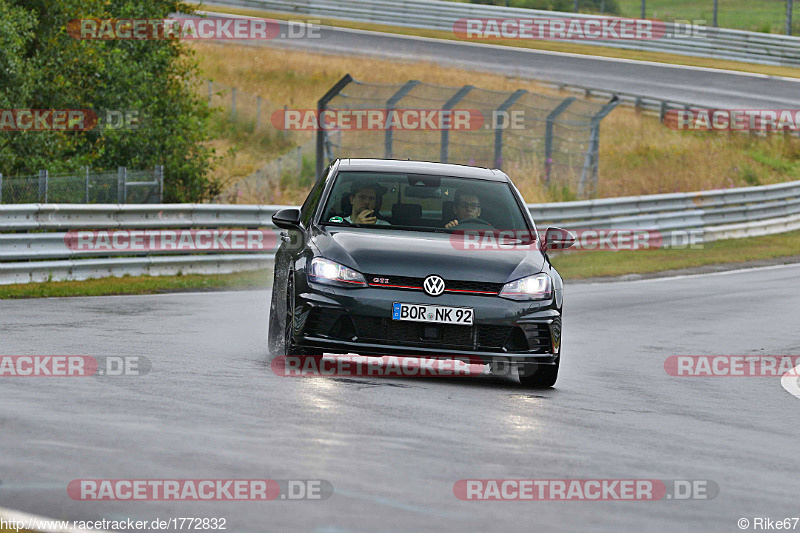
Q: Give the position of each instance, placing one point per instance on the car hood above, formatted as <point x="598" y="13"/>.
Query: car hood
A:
<point x="418" y="254"/>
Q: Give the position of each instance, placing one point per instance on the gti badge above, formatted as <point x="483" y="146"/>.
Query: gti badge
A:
<point x="433" y="285"/>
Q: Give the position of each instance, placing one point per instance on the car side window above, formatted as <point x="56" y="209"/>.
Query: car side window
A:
<point x="310" y="205"/>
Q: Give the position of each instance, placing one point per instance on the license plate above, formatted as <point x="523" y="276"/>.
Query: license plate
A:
<point x="432" y="313"/>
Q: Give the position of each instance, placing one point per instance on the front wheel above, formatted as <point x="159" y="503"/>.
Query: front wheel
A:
<point x="538" y="376"/>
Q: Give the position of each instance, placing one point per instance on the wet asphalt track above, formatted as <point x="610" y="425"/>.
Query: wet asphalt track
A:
<point x="393" y="448"/>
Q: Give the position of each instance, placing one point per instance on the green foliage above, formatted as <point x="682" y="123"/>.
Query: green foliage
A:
<point x="42" y="67"/>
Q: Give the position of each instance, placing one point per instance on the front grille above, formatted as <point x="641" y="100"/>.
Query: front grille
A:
<point x="453" y="337"/>
<point x="395" y="282"/>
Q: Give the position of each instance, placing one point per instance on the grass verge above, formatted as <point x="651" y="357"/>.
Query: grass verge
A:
<point x="638" y="154"/>
<point x="592" y="264"/>
<point x="256" y="279"/>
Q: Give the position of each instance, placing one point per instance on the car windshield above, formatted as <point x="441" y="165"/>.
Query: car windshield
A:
<point x="416" y="202"/>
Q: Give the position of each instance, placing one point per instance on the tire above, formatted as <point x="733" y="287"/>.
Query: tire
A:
<point x="274" y="337"/>
<point x="289" y="347"/>
<point x="537" y="376"/>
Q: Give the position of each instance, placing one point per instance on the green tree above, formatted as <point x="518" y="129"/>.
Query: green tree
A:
<point x="43" y="67"/>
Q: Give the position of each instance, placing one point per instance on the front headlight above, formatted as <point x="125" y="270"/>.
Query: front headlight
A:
<point x="326" y="271"/>
<point x="536" y="287"/>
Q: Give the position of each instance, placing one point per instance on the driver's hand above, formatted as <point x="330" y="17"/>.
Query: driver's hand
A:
<point x="366" y="217"/>
<point x="451" y="224"/>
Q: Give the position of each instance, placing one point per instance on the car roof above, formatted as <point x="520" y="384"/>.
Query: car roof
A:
<point x="421" y="167"/>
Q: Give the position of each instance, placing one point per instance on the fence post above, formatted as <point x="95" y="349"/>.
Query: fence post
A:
<point x="321" y="104"/>
<point x="258" y="112"/>
<point x="592" y="155"/>
<point x="87" y="185"/>
<point x="448" y="116"/>
<point x="160" y="179"/>
<point x="1" y="187"/>
<point x="498" y="133"/>
<point x="390" y="103"/>
<point x="210" y="91"/>
<point x="299" y="160"/>
<point x="233" y="103"/>
<point x="121" y="178"/>
<point x="788" y="17"/>
<point x="43" y="185"/>
<point x="548" y="135"/>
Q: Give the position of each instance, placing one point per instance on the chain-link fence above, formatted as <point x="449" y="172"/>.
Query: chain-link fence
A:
<point x="122" y="186"/>
<point x="552" y="139"/>
<point x="240" y="106"/>
<point x="265" y="185"/>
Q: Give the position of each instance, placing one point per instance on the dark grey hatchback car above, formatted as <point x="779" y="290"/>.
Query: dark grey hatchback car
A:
<point x="390" y="257"/>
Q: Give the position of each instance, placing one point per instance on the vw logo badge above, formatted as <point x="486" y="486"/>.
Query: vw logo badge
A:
<point x="433" y="285"/>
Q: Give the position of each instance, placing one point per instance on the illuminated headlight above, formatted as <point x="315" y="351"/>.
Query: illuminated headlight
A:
<point x="326" y="271"/>
<point x="537" y="287"/>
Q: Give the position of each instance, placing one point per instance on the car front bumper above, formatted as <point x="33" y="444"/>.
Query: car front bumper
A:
<point x="358" y="320"/>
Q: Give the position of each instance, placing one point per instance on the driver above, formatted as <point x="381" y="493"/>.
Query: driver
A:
<point x="363" y="199"/>
<point x="467" y="205"/>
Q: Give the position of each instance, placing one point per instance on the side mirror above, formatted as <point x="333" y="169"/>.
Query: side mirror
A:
<point x="287" y="218"/>
<point x="557" y="239"/>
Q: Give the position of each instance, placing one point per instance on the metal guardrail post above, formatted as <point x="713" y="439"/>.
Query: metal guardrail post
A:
<point x="548" y="136"/>
<point x="498" y="133"/>
<point x="662" y="111"/>
<point x="390" y="103"/>
<point x="160" y="179"/>
<point x="592" y="155"/>
<point x="121" y="178"/>
<point x="87" y="185"/>
<point x="455" y="99"/>
<point x="43" y="177"/>
<point x="321" y="134"/>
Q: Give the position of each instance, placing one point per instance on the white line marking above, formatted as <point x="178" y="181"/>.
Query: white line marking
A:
<point x="791" y="381"/>
<point x="690" y="276"/>
<point x="537" y="51"/>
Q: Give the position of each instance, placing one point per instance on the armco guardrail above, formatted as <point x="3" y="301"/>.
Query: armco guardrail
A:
<point x="699" y="41"/>
<point x="719" y="214"/>
<point x="33" y="245"/>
